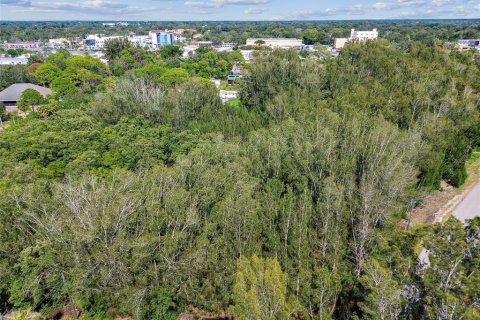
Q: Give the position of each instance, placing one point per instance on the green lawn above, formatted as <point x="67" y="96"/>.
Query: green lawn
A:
<point x="234" y="102"/>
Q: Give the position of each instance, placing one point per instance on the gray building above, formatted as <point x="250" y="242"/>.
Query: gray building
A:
<point x="11" y="95"/>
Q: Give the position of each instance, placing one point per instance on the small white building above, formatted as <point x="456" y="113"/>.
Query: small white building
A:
<point x="22" y="45"/>
<point x="98" y="41"/>
<point x="227" y="95"/>
<point x="340" y="43"/>
<point x="363" y="35"/>
<point x="356" y="35"/>
<point x="13" y="61"/>
<point x="59" y="43"/>
<point x="140" y="41"/>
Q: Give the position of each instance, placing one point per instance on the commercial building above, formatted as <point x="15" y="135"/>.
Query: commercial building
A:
<point x="469" y="43"/>
<point x="356" y="35"/>
<point x="202" y="43"/>
<point x="22" y="45"/>
<point x="140" y="41"/>
<point x="98" y="41"/>
<point x="275" y="42"/>
<point x="59" y="42"/>
<point x="161" y="38"/>
<point x="363" y="35"/>
<point x="11" y="95"/>
<point x="340" y="43"/>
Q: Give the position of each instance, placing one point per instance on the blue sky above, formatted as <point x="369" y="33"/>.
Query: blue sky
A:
<point x="162" y="10"/>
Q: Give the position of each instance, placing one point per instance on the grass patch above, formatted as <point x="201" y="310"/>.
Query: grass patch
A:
<point x="474" y="157"/>
<point x="234" y="102"/>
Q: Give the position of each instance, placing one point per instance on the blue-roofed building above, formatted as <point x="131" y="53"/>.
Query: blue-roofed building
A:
<point x="161" y="38"/>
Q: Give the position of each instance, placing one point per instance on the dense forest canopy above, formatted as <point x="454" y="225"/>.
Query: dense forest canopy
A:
<point x="133" y="190"/>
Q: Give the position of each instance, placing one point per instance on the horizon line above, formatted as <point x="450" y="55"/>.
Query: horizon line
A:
<point x="265" y="20"/>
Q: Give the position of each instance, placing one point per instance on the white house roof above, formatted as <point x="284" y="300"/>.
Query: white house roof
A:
<point x="17" y="60"/>
<point x="14" y="92"/>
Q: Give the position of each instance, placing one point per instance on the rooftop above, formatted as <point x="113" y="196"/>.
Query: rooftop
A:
<point x="14" y="92"/>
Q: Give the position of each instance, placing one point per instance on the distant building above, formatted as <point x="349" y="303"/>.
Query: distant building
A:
<point x="113" y="24"/>
<point x="58" y="41"/>
<point x="356" y="35"/>
<point x="275" y="42"/>
<point x="161" y="38"/>
<point x="11" y="95"/>
<point x="140" y="41"/>
<point x="340" y="43"/>
<point x="228" y="45"/>
<point x="469" y="43"/>
<point x="13" y="61"/>
<point x="202" y="43"/>
<point x="22" y="45"/>
<point x="363" y="35"/>
<point x="226" y="95"/>
<point x="98" y="41"/>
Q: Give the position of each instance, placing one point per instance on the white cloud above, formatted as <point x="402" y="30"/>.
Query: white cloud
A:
<point x="380" y="5"/>
<point x="19" y="3"/>
<point x="199" y="4"/>
<point x="251" y="10"/>
<point x="102" y="7"/>
<point x="222" y="3"/>
<point x="444" y="2"/>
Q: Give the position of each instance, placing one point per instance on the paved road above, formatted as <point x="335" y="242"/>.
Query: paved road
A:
<point x="467" y="209"/>
<point x="470" y="206"/>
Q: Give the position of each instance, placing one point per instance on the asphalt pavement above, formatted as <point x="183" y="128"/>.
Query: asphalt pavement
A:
<point x="470" y="206"/>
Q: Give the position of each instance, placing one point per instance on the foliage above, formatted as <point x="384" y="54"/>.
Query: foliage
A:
<point x="133" y="190"/>
<point x="260" y="290"/>
<point x="10" y="74"/>
<point x="170" y="51"/>
<point x="30" y="99"/>
<point x="451" y="280"/>
<point x="3" y="111"/>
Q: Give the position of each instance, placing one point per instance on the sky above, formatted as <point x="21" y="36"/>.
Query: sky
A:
<point x="170" y="10"/>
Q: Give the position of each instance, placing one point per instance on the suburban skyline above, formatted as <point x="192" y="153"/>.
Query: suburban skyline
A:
<point x="170" y="10"/>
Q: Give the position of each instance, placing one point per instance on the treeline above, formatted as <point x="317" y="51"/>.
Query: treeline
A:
<point x="150" y="197"/>
<point x="426" y="31"/>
